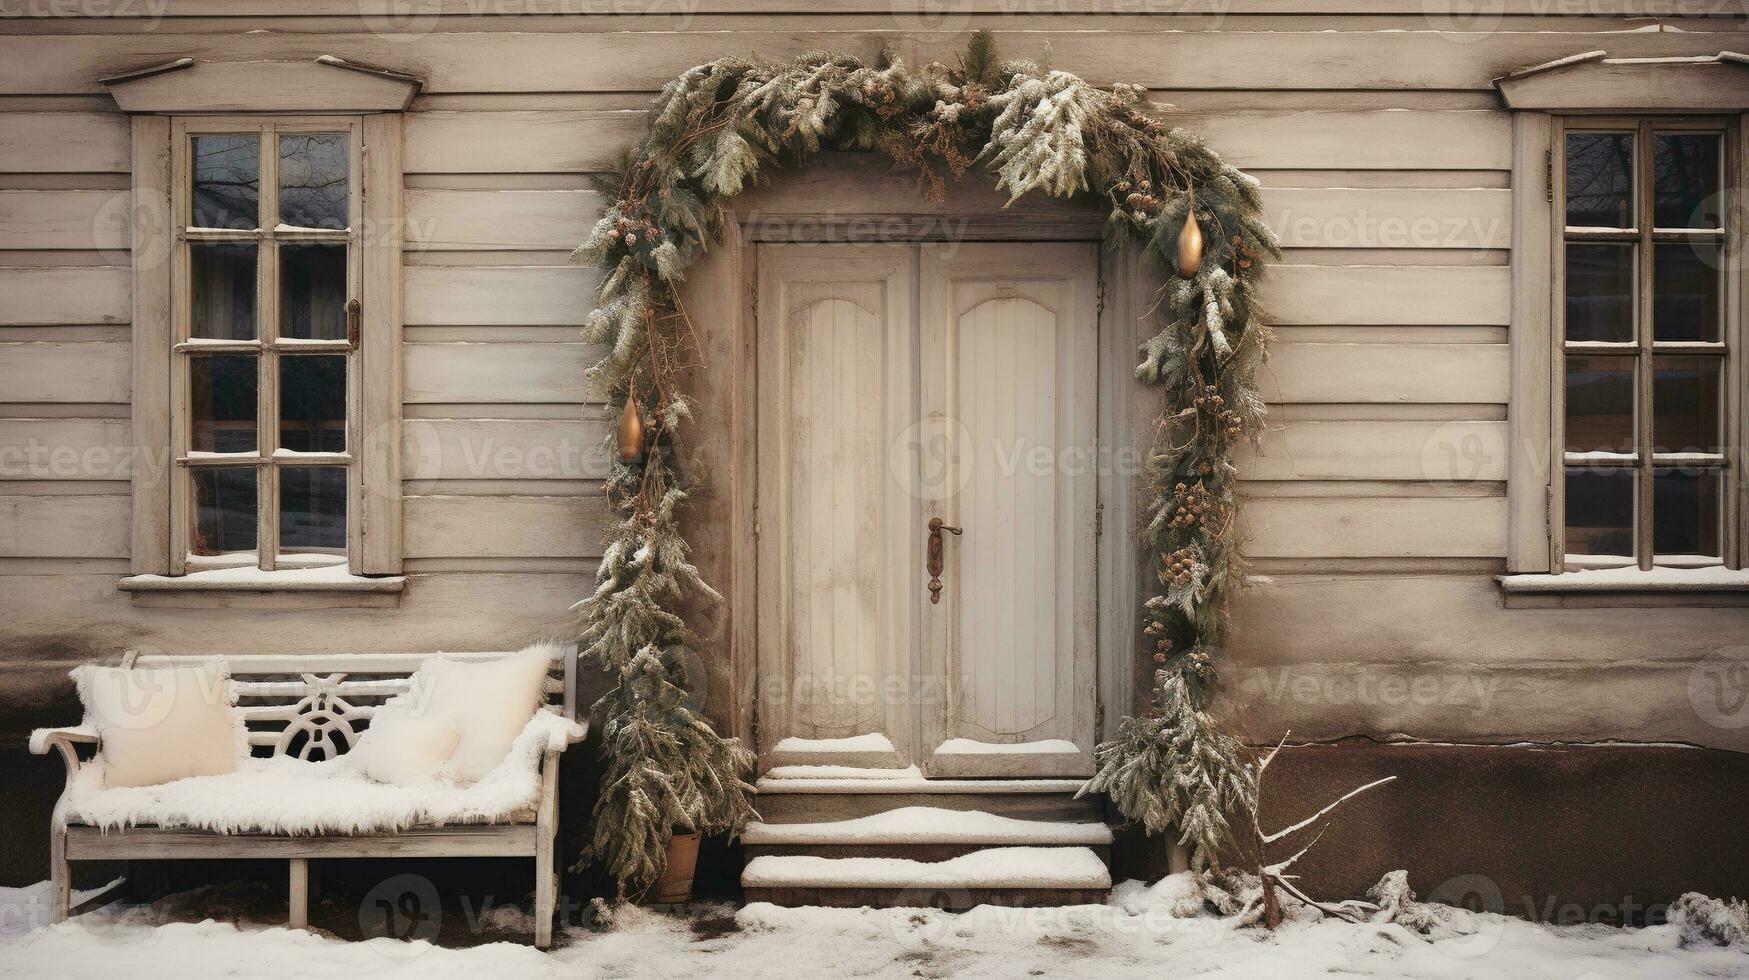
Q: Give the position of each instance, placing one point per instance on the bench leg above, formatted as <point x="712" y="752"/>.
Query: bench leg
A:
<point x="298" y="898"/>
<point x="546" y="888"/>
<point x="60" y="877"/>
<point x="546" y="877"/>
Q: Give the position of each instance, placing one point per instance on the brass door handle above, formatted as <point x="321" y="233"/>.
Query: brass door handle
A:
<point x="934" y="560"/>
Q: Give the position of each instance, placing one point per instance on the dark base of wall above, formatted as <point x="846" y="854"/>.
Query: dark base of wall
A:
<point x="1562" y="834"/>
<point x="1583" y="833"/>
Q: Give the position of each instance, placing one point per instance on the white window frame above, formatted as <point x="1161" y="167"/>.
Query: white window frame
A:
<point x="1644" y="346"/>
<point x="170" y="102"/>
<point x="1545" y="100"/>
<point x="268" y="348"/>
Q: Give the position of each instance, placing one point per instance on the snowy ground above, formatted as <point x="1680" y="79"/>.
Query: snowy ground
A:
<point x="1137" y="935"/>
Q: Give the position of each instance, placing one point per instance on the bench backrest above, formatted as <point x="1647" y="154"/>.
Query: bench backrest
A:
<point x="314" y="706"/>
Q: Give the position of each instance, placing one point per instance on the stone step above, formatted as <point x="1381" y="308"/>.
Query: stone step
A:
<point x="933" y="825"/>
<point x="1019" y="876"/>
<point x="921" y="833"/>
<point x="824" y="800"/>
<point x="913" y="852"/>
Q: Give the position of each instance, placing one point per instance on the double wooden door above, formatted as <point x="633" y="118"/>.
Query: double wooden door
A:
<point x="926" y="519"/>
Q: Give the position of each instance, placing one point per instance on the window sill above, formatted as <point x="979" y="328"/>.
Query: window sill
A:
<point x="329" y="587"/>
<point x="1594" y="588"/>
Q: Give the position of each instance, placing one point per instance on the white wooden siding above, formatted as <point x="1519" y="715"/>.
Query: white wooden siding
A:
<point x="77" y="219"/>
<point x="497" y="295"/>
<point x="41" y="371"/>
<point x="68" y="294"/>
<point x="63" y="142"/>
<point x="583" y="61"/>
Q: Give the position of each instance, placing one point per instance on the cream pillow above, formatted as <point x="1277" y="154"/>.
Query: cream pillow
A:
<point x="490" y="702"/>
<point x="405" y="743"/>
<point x="164" y="723"/>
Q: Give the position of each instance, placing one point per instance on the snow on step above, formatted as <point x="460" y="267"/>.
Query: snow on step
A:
<point x="997" y="867"/>
<point x="872" y="742"/>
<point x="915" y="784"/>
<point x="930" y="825"/>
<point x="971" y="746"/>
<point x="841" y="772"/>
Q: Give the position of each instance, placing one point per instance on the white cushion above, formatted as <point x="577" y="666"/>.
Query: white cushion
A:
<point x="488" y="701"/>
<point x="163" y="723"/>
<point x="405" y="744"/>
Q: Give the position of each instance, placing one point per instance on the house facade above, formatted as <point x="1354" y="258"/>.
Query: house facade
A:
<point x="290" y="361"/>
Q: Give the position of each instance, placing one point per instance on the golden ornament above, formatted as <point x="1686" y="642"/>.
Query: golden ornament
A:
<point x="631" y="432"/>
<point x="1189" y="246"/>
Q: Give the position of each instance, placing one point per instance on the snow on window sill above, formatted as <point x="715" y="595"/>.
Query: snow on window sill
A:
<point x="323" y="586"/>
<point x="1711" y="585"/>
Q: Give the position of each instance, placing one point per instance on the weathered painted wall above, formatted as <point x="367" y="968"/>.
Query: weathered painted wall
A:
<point x="1378" y="510"/>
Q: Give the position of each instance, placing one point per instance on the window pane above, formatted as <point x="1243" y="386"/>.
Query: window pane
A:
<point x="312" y="508"/>
<point x="1685" y="508"/>
<point x="1687" y="400"/>
<point x="312" y="181"/>
<point x="1600" y="292"/>
<point x="312" y="292"/>
<point x="1600" y="512"/>
<point x="227" y="182"/>
<point x="1600" y="404"/>
<point x="222" y="281"/>
<point x="1685" y="179"/>
<point x="224" y="509"/>
<point x="312" y="403"/>
<point x="1600" y="180"/>
<point x="221" y="396"/>
<point x="1685" y="291"/>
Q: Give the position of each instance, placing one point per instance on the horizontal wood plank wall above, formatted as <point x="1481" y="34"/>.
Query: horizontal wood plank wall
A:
<point x="1371" y="125"/>
<point x="584" y="61"/>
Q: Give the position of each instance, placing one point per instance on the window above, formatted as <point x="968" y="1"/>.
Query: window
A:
<point x="265" y="324"/>
<point x="1645" y="345"/>
<point x="266" y="254"/>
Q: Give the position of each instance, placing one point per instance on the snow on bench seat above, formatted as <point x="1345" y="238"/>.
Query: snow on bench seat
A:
<point x="285" y="795"/>
<point x="930" y="825"/>
<point x="997" y="867"/>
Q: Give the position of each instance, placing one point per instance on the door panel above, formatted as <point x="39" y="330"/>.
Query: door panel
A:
<point x="836" y="377"/>
<point x="899" y="384"/>
<point x="1008" y="338"/>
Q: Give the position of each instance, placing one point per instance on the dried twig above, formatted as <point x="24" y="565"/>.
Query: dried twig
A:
<point x="1273" y="876"/>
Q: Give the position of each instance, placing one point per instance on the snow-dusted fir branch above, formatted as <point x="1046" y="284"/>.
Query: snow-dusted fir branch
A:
<point x="720" y="128"/>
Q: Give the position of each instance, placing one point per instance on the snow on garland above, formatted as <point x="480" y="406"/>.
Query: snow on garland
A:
<point x="718" y="129"/>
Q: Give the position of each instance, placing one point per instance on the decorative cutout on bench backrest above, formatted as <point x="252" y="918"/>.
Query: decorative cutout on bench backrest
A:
<point x="320" y="725"/>
<point x="317" y="716"/>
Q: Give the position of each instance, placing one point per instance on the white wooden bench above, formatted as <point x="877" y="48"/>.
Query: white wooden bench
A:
<point x="311" y="707"/>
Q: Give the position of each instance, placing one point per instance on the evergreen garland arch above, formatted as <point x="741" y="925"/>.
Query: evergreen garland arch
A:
<point x="719" y="128"/>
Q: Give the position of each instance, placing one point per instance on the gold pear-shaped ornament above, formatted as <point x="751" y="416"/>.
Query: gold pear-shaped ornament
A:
<point x="631" y="432"/>
<point x="1189" y="246"/>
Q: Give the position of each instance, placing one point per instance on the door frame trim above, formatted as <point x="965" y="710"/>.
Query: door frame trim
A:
<point x="856" y="197"/>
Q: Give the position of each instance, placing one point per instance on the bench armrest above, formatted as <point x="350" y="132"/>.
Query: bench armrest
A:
<point x="44" y="739"/>
<point x="577" y="734"/>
